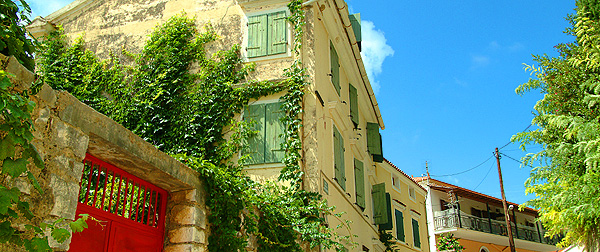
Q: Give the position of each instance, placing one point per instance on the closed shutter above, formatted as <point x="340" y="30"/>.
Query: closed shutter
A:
<point x="257" y="36"/>
<point x="335" y="68"/>
<point x="417" y="238"/>
<point x="255" y="114"/>
<point x="273" y="133"/>
<point x="353" y="93"/>
<point x="399" y="226"/>
<point x="277" y="33"/>
<point x="359" y="182"/>
<point x="374" y="141"/>
<point x="379" y="204"/>
<point x="338" y="149"/>
<point x="388" y="211"/>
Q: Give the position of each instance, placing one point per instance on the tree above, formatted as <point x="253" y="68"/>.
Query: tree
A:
<point x="566" y="179"/>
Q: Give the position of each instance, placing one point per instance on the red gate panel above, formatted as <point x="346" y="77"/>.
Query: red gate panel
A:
<point x="131" y="211"/>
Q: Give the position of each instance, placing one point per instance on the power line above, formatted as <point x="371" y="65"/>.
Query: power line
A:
<point x="509" y="142"/>
<point x="470" y="169"/>
<point x="514" y="159"/>
<point x="488" y="172"/>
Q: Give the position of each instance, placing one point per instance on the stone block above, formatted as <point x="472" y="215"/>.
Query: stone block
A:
<point x="22" y="77"/>
<point x="73" y="168"/>
<point x="47" y="96"/>
<point x="194" y="195"/>
<point x="57" y="246"/>
<point x="40" y="122"/>
<point x="187" y="234"/>
<point x="65" y="197"/>
<point x="70" y="137"/>
<point x="185" y="248"/>
<point x="188" y="215"/>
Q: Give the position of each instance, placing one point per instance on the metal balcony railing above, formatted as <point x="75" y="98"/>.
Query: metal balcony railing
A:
<point x="452" y="218"/>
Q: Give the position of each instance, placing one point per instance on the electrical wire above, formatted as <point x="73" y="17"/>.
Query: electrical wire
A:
<point x="514" y="159"/>
<point x="468" y="170"/>
<point x="484" y="177"/>
<point x="509" y="142"/>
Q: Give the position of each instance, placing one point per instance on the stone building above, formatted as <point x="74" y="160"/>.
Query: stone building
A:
<point x="341" y="118"/>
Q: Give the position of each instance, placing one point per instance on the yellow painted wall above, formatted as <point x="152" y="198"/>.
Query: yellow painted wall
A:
<point x="411" y="208"/>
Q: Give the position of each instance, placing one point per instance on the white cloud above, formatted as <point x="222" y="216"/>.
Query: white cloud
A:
<point x="45" y="7"/>
<point x="514" y="47"/>
<point x="479" y="61"/>
<point x="374" y="51"/>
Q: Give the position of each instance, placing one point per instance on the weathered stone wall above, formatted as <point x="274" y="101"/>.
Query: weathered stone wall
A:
<point x="66" y="129"/>
<point x="112" y="25"/>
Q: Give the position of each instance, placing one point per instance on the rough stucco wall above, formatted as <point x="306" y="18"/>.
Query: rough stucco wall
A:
<point x="113" y="25"/>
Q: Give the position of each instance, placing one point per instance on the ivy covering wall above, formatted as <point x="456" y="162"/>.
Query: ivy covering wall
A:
<point x="188" y="113"/>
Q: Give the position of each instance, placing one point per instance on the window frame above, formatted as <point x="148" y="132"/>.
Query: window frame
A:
<point x="413" y="220"/>
<point x="264" y="163"/>
<point x="267" y="56"/>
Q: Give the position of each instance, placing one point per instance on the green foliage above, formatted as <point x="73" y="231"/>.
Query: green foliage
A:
<point x="388" y="241"/>
<point x="184" y="102"/>
<point x="16" y="152"/>
<point x="567" y="180"/>
<point x="13" y="36"/>
<point x="447" y="241"/>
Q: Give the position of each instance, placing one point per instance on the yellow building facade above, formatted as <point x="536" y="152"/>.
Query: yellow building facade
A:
<point x="341" y="154"/>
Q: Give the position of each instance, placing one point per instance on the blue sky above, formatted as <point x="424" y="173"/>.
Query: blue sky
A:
<point x="444" y="73"/>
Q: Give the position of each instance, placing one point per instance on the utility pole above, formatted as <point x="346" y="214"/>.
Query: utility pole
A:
<point x="511" y="241"/>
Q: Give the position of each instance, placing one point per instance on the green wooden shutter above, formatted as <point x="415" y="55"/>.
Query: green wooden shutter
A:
<point x="355" y="21"/>
<point x="379" y="204"/>
<point x="374" y="141"/>
<point x="257" y="36"/>
<point x="273" y="133"/>
<point x="256" y="144"/>
<point x="353" y="95"/>
<point x="335" y="67"/>
<point x="359" y="182"/>
<point x="339" y="166"/>
<point x="399" y="226"/>
<point x="277" y="33"/>
<point x="416" y="235"/>
<point x="388" y="211"/>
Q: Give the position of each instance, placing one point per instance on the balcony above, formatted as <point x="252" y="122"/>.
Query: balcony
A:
<point x="453" y="219"/>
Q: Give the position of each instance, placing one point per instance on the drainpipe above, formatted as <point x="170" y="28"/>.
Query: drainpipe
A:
<point x="430" y="219"/>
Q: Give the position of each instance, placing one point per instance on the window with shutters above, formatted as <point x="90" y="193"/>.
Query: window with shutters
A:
<point x="416" y="234"/>
<point x="382" y="207"/>
<point x="338" y="158"/>
<point x="399" y="226"/>
<point x="335" y="68"/>
<point x="267" y="34"/>
<point x="265" y="146"/>
<point x="374" y="142"/>
<point x="353" y="96"/>
<point x="359" y="182"/>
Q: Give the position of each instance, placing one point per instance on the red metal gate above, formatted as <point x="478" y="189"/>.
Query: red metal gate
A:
<point x="131" y="212"/>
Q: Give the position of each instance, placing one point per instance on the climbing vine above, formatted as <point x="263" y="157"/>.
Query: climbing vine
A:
<point x="184" y="101"/>
<point x="16" y="149"/>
